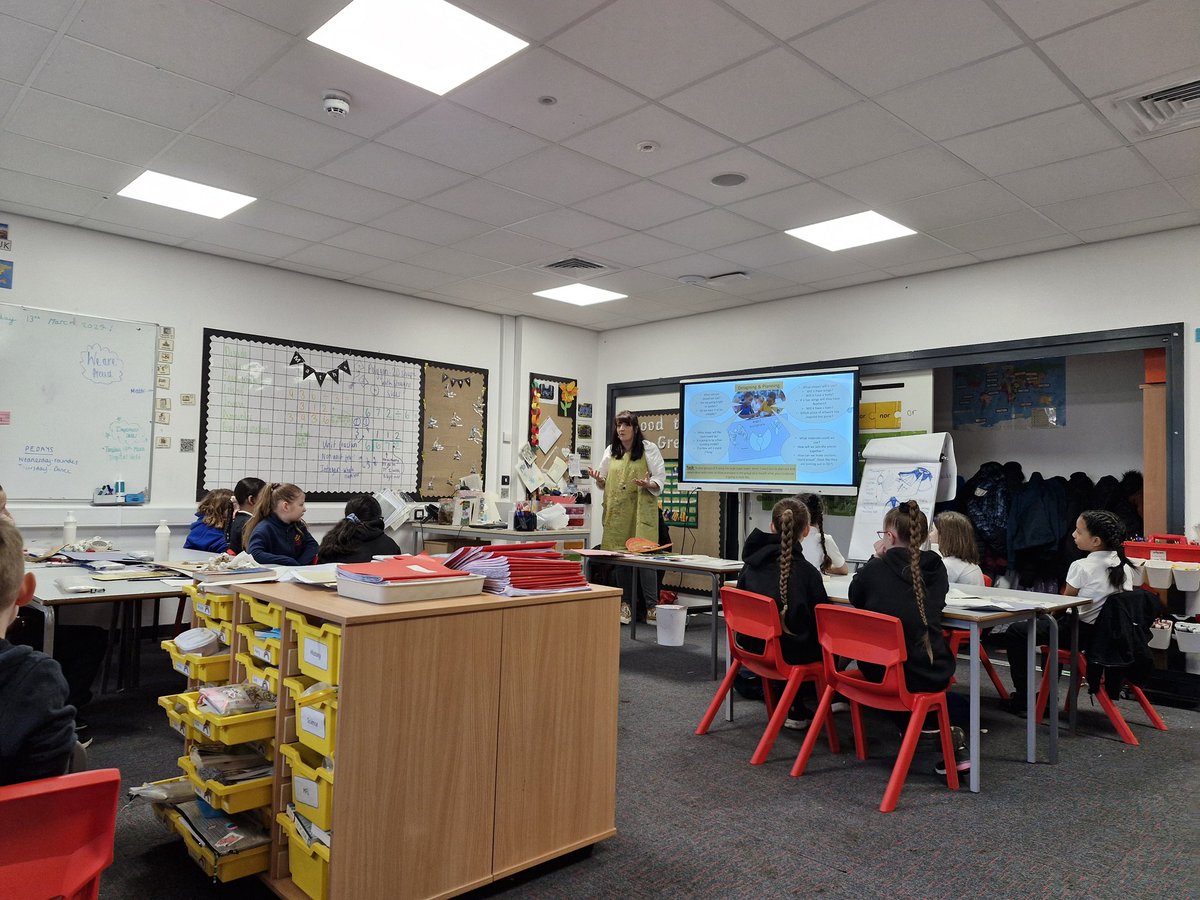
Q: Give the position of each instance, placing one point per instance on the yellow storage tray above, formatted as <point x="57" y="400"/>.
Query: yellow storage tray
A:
<point x="266" y="650"/>
<point x="220" y="626"/>
<point x="224" y="868"/>
<point x="312" y="784"/>
<point x="264" y="611"/>
<point x="266" y="677"/>
<point x="320" y="648"/>
<point x="230" y="798"/>
<point x="316" y="715"/>
<point x="202" y="668"/>
<point x="309" y="865"/>
<point x="211" y="604"/>
<point x="238" y="728"/>
<point x="179" y="720"/>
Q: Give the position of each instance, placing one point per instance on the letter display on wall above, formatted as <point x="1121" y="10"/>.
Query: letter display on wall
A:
<point x="335" y="421"/>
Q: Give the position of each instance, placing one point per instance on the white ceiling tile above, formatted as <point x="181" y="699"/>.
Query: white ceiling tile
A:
<point x="781" y="294"/>
<point x="21" y="46"/>
<point x="481" y="292"/>
<point x="769" y="250"/>
<point x="641" y="205"/>
<point x="980" y="200"/>
<point x="294" y="18"/>
<point x="509" y="247"/>
<point x="1145" y="202"/>
<point x="617" y="142"/>
<point x="461" y="138"/>
<point x="845" y="281"/>
<point x="428" y="224"/>
<point x="339" y="199"/>
<point x="336" y="259"/>
<point x="632" y="282"/>
<point x="762" y="176"/>
<point x="1127" y="48"/>
<point x="222" y="48"/>
<point x="8" y="95"/>
<point x="911" y="248"/>
<point x="304" y="268"/>
<point x="60" y="164"/>
<point x="1173" y="155"/>
<point x="821" y="266"/>
<point x="383" y="244"/>
<point x="714" y="228"/>
<point x="274" y="133"/>
<point x="858" y="134"/>
<point x="932" y="265"/>
<point x="534" y="20"/>
<point x="1023" y="225"/>
<point x="489" y="202"/>
<point x="510" y="93"/>
<point x="559" y="175"/>
<point x="226" y="252"/>
<point x="691" y="300"/>
<point x="569" y="228"/>
<point x="786" y="18"/>
<point x="1049" y="137"/>
<point x="298" y="80"/>
<point x="1023" y="248"/>
<point x="225" y="167"/>
<point x="1189" y="189"/>
<point x="122" y="85"/>
<point x="1142" y="226"/>
<point x="406" y="275"/>
<point x="40" y="212"/>
<point x="19" y="187"/>
<point x="735" y="102"/>
<point x="658" y="47"/>
<point x="913" y="173"/>
<point x="393" y="172"/>
<point x="634" y="250"/>
<point x="1037" y="18"/>
<point x="47" y="13"/>
<point x="149" y="217"/>
<point x="526" y="281"/>
<point x="758" y="283"/>
<point x="289" y="220"/>
<point x="796" y="206"/>
<point x="1071" y="178"/>
<point x="247" y="239"/>
<point x="692" y="264"/>
<point x="896" y="42"/>
<point x="45" y="117"/>
<point x="138" y="234"/>
<point x="966" y="99"/>
<point x="456" y="262"/>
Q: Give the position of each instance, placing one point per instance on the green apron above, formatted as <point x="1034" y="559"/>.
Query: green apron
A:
<point x="629" y="511"/>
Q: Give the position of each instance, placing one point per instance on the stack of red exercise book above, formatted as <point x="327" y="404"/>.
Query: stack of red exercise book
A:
<point x="519" y="569"/>
<point x="401" y="579"/>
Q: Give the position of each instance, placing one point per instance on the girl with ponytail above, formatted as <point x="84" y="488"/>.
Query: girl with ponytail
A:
<point x="774" y="565"/>
<point x="820" y="549"/>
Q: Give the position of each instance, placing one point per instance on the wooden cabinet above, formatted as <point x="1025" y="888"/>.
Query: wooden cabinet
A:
<point x="475" y="737"/>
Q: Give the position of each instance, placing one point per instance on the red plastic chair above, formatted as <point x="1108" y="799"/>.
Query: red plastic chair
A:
<point x="56" y="835"/>
<point x="956" y="637"/>
<point x="757" y="616"/>
<point x="874" y="638"/>
<point x="1110" y="709"/>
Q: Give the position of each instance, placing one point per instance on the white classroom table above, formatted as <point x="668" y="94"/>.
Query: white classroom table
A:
<point x="974" y="620"/>
<point x="492" y="535"/>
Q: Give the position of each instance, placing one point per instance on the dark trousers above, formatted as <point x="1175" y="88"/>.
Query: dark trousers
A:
<point x="79" y="649"/>
<point x="1014" y="645"/>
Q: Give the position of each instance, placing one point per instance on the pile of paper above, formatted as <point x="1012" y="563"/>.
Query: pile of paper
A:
<point x="397" y="569"/>
<point x="229" y="765"/>
<point x="516" y="570"/>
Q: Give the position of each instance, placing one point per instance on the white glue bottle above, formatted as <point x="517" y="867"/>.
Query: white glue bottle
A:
<point x="162" y="541"/>
<point x="70" y="527"/>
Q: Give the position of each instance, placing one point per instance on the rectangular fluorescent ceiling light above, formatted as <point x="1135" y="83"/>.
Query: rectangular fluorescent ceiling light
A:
<point x="178" y="193"/>
<point x="428" y="43"/>
<point x="580" y="294"/>
<point x="851" y="231"/>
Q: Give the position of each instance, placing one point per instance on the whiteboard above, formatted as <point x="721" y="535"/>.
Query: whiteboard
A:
<point x="76" y="403"/>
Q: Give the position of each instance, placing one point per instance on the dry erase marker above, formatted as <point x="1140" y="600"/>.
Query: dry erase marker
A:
<point x="83" y="589"/>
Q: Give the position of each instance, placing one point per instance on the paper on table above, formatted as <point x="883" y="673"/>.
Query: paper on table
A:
<point x="548" y="433"/>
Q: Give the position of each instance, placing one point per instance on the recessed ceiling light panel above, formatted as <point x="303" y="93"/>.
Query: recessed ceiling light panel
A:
<point x="851" y="231"/>
<point x="428" y="43"/>
<point x="579" y="294"/>
<point x="190" y="196"/>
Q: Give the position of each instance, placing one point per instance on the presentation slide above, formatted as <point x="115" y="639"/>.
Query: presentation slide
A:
<point x="783" y="430"/>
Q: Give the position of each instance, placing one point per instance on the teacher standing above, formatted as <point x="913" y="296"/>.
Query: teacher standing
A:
<point x="632" y="475"/>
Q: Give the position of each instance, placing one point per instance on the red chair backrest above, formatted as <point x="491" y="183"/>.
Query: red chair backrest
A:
<point x="56" y="834"/>
<point x="987" y="580"/>
<point x="757" y="616"/>
<point x="867" y="637"/>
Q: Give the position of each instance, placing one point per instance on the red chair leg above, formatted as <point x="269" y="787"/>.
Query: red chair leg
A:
<point x="782" y="708"/>
<point x="768" y="697"/>
<point x="715" y="706"/>
<point x="814" y="731"/>
<point x="908" y="747"/>
<point x="860" y="736"/>
<point x="835" y="745"/>
<point x="1114" y="716"/>
<point x="1151" y="712"/>
<point x="991" y="670"/>
<point x="1043" y="695"/>
<point x="947" y="747"/>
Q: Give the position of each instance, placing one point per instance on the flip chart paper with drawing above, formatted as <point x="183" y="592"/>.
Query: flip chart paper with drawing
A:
<point x="917" y="467"/>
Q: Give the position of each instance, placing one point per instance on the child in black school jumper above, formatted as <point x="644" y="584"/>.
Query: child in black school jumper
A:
<point x="360" y="536"/>
<point x="37" y="726"/>
<point x="774" y="565"/>
<point x="278" y="535"/>
<point x="245" y="498"/>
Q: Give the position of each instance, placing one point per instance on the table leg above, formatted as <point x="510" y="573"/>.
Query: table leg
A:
<point x="1053" y="702"/>
<point x="135" y="650"/>
<point x="1074" y="685"/>
<point x="1031" y="690"/>
<point x="716" y="602"/>
<point x="974" y="691"/>
<point x="47" y="625"/>
<point x="635" y="591"/>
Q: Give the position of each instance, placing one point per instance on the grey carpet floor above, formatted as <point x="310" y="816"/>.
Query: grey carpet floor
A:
<point x="694" y="819"/>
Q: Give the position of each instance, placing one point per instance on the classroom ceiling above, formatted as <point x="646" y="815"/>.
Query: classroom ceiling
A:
<point x="995" y="128"/>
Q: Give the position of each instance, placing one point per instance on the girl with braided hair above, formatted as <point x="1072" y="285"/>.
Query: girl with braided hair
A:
<point x="1105" y="570"/>
<point x="819" y="548"/>
<point x="775" y="567"/>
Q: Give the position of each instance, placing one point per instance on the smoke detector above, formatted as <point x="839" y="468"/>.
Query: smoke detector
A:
<point x="336" y="104"/>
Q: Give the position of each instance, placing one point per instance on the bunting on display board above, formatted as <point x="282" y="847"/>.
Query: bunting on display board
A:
<point x="309" y="371"/>
<point x="465" y="381"/>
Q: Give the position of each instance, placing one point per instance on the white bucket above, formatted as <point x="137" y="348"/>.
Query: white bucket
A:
<point x="1158" y="575"/>
<point x="1187" y="579"/>
<point x="671" y="621"/>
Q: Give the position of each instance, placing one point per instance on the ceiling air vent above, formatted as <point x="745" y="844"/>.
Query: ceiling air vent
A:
<point x="1168" y="109"/>
<point x="573" y="264"/>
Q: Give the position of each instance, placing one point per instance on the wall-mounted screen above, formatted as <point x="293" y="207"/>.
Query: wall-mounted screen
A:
<point x="770" y="432"/>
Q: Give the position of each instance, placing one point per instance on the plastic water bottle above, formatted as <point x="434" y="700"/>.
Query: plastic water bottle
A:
<point x="162" y="541"/>
<point x="70" y="527"/>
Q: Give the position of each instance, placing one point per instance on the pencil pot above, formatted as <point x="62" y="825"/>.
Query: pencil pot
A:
<point x="671" y="622"/>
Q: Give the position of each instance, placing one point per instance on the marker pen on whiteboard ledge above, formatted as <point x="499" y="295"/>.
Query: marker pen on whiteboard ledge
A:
<point x="119" y="484"/>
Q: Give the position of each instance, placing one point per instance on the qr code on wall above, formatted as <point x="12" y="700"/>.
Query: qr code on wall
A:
<point x="187" y="445"/>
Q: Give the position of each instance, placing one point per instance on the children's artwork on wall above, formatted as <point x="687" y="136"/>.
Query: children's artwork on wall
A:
<point x="584" y="411"/>
<point x="551" y="400"/>
<point x="585" y="432"/>
<point x="585" y="452"/>
<point x="456" y="399"/>
<point x="1012" y="395"/>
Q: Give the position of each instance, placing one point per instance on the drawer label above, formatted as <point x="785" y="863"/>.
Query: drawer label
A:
<point x="182" y="666"/>
<point x="316" y="653"/>
<point x="305" y="791"/>
<point x="1158" y="554"/>
<point x="204" y="608"/>
<point x="312" y="721"/>
<point x="180" y="726"/>
<point x="263" y="652"/>
<point x="203" y="727"/>
<point x="261" y="681"/>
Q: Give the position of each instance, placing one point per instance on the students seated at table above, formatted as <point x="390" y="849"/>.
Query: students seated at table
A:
<point x="37" y="725"/>
<point x="245" y="498"/>
<point x="360" y="536"/>
<point x="278" y="535"/>
<point x="209" y="530"/>
<point x="1105" y="570"/>
<point x="774" y="565"/>
<point x="953" y="537"/>
<point x="821" y="549"/>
